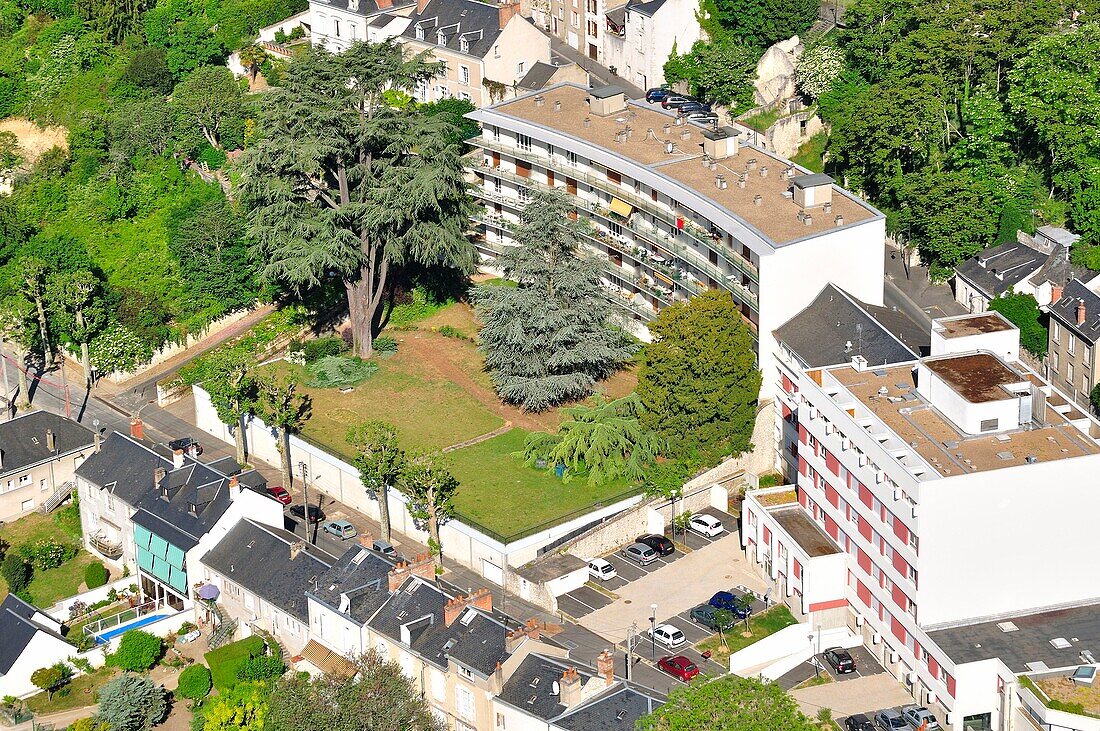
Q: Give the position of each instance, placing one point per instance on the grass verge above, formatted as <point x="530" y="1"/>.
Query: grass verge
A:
<point x="811" y="155"/>
<point x="760" y="626"/>
<point x="225" y="661"/>
<point x="77" y="694"/>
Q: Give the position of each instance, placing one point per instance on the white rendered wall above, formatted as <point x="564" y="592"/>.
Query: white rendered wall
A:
<point x="965" y="415"/>
<point x="1003" y="343"/>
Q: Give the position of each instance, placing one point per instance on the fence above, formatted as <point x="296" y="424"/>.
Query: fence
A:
<point x="104" y="626"/>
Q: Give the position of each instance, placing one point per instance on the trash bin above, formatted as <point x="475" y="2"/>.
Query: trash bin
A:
<point x="559" y="470"/>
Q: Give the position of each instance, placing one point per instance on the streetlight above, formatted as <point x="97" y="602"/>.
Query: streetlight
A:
<point x="652" y="631"/>
<point x="303" y="469"/>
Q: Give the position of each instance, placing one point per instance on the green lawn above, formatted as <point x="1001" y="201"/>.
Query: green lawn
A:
<point x="77" y="694"/>
<point x="225" y="661"/>
<point x="810" y="154"/>
<point x="499" y="493"/>
<point x="761" y="122"/>
<point x="760" y="626"/>
<point x="47" y="587"/>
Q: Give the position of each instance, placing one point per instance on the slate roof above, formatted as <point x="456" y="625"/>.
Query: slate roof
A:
<point x="366" y="8"/>
<point x="1060" y="270"/>
<point x="1065" y="310"/>
<point x="360" y="573"/>
<point x="820" y="334"/>
<point x="530" y="687"/>
<point x="23" y="439"/>
<point x="1029" y="642"/>
<point x="998" y="269"/>
<point x="475" y="639"/>
<point x="617" y="16"/>
<point x="538" y="77"/>
<point x="619" y="711"/>
<point x="124" y="467"/>
<point x="477" y="22"/>
<point x="257" y="558"/>
<point x="649" y="9"/>
<point x="17" y="628"/>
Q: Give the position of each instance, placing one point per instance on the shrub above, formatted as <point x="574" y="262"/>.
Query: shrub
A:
<point x="82" y="664"/>
<point x="322" y="348"/>
<point x="88" y="724"/>
<point x="48" y="553"/>
<point x="51" y="678"/>
<point x="449" y="331"/>
<point x="185" y="628"/>
<point x="96" y="575"/>
<point x="195" y="683"/>
<point x="131" y="703"/>
<point x="138" y="651"/>
<point x="773" y="479"/>
<point x="261" y="668"/>
<point x="334" y="371"/>
<point x="384" y="345"/>
<point x="17" y="572"/>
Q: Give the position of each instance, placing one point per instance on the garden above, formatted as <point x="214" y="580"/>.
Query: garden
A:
<point x="743" y="634"/>
<point x="42" y="561"/>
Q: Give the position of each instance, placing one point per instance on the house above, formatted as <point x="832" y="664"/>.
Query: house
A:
<point x="336" y="24"/>
<point x="486" y="50"/>
<point x="906" y="472"/>
<point x="542" y="75"/>
<point x="639" y="37"/>
<point x="29" y="640"/>
<point x="676" y="208"/>
<point x="835" y="328"/>
<point x="158" y="510"/>
<point x="39" y="451"/>
<point x="1074" y="328"/>
<point x="263" y="574"/>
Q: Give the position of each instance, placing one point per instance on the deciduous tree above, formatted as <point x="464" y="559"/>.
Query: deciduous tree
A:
<point x="51" y="678"/>
<point x="380" y="461"/>
<point x="699" y="381"/>
<point x="77" y="300"/>
<point x="210" y="99"/>
<point x="32" y="280"/>
<point x="340" y="184"/>
<point x="244" y="708"/>
<point x="1023" y="311"/>
<point x="284" y="409"/>
<point x="720" y="70"/>
<point x="727" y="703"/>
<point x="137" y="651"/>
<point x="233" y="390"/>
<point x="430" y="487"/>
<point x="552" y="337"/>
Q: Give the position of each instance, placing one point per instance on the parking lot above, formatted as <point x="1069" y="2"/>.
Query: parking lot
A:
<point x="866" y="664"/>
<point x="587" y="599"/>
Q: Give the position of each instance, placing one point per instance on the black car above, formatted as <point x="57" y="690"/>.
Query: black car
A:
<point x="657" y="95"/>
<point x="660" y="544"/>
<point x="839" y="660"/>
<point x="315" y="513"/>
<point x="858" y="722"/>
<point x="689" y="107"/>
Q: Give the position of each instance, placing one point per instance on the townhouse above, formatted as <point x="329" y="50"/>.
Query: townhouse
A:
<point x="158" y="510"/>
<point x="915" y="481"/>
<point x="639" y="37"/>
<point x="39" y="452"/>
<point x="1073" y="331"/>
<point x="336" y="24"/>
<point x="676" y="208"/>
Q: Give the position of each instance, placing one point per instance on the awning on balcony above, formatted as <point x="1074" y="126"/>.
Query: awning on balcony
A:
<point x="621" y="208"/>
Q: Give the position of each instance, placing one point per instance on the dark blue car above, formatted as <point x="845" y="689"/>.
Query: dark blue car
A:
<point x="657" y="95"/>
<point x="728" y="601"/>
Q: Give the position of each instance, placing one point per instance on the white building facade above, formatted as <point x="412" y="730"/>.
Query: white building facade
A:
<point x="637" y="39"/>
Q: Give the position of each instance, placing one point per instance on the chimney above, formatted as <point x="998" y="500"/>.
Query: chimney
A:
<point x="506" y="11"/>
<point x="383" y="4"/>
<point x="296" y="548"/>
<point x="96" y="438"/>
<point x="51" y="440"/>
<point x="234" y="486"/>
<point x="605" y="666"/>
<point x="481" y="599"/>
<point x="423" y="566"/>
<point x="137" y="428"/>
<point x="420" y="5"/>
<point x="366" y="540"/>
<point x="1081" y="312"/>
<point x="530" y="631"/>
<point x="570" y="688"/>
<point x="158" y="476"/>
<point x="177" y="459"/>
<point x="1055" y="293"/>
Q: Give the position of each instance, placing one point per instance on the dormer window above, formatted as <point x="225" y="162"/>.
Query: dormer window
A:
<point x="353" y="5"/>
<point x="464" y="45"/>
<point x="193" y="509"/>
<point x="419" y="33"/>
<point x="440" y="38"/>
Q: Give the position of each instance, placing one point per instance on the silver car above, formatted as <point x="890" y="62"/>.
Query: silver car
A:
<point x="890" y="720"/>
<point x="640" y="553"/>
<point x="917" y="715"/>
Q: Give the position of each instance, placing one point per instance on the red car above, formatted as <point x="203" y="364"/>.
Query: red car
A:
<point x="280" y="494"/>
<point x="678" y="667"/>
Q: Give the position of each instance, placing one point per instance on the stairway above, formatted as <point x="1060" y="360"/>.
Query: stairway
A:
<point x="225" y="630"/>
<point x="60" y="495"/>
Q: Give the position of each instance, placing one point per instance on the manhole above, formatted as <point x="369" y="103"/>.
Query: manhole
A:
<point x="729" y="576"/>
<point x="626" y="601"/>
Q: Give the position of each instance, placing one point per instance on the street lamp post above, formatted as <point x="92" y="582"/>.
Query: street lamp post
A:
<point x="652" y="631"/>
<point x="303" y="468"/>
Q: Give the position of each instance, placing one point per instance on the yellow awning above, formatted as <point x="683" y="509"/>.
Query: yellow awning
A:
<point x="622" y="208"/>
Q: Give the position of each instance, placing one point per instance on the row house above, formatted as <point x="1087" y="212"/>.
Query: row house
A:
<point x="39" y="452"/>
<point x="910" y="479"/>
<point x="639" y="37"/>
<point x="675" y="208"/>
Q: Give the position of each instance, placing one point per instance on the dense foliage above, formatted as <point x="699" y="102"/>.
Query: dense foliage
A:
<point x="244" y="708"/>
<point x="552" y="337"/>
<point x="51" y="678"/>
<point x="728" y="703"/>
<point x="1023" y="311"/>
<point x="132" y="703"/>
<point x="194" y="683"/>
<point x="95" y="575"/>
<point x="967" y="120"/>
<point x="137" y="651"/>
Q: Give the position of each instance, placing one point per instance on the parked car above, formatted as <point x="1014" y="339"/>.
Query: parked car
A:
<point x="660" y="544"/>
<point x="916" y="716"/>
<point x="639" y="553"/>
<point x="705" y="118"/>
<point x="342" y="529"/>
<point x="706" y="525"/>
<point x="704" y="615"/>
<point x="889" y="720"/>
<point x="675" y="101"/>
<point x="601" y="569"/>
<point x="668" y="635"/>
<point x="693" y="107"/>
<point x="858" y="722"/>
<point x="840" y="660"/>
<point x="730" y="602"/>
<point x="678" y="667"/>
<point x="315" y="513"/>
<point x="657" y="95"/>
<point x="280" y="493"/>
<point x="384" y="547"/>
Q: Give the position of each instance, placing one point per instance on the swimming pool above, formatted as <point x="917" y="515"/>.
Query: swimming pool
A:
<point x="107" y="635"/>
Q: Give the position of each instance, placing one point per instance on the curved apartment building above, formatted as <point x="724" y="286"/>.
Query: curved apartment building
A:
<point x="677" y="208"/>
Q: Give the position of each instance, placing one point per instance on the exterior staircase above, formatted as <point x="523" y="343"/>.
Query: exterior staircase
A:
<point x="63" y="492"/>
<point x="227" y="627"/>
<point x="274" y="646"/>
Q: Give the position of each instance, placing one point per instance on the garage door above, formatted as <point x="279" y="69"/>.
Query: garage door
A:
<point x="492" y="572"/>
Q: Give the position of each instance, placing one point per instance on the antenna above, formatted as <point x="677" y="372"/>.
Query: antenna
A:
<point x="859" y="337"/>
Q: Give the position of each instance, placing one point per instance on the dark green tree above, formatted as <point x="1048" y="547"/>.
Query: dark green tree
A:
<point x="206" y="236"/>
<point x="1094" y="398"/>
<point x="137" y="651"/>
<point x="342" y="185"/>
<point x="17" y="572"/>
<point x="1023" y="311"/>
<point x="380" y="461"/>
<point x="699" y="381"/>
<point x="758" y="23"/>
<point x="51" y="678"/>
<point x="96" y="575"/>
<point x="148" y="69"/>
<point x="209" y="99"/>
<point x="116" y="19"/>
<point x="552" y="337"/>
<point x="727" y="703"/>
<point x="430" y="487"/>
<point x="76" y="300"/>
<point x="378" y="697"/>
<point x="132" y="703"/>
<point x="33" y="272"/>
<point x="721" y="70"/>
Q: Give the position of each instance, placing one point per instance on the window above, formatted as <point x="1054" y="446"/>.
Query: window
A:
<point x="439" y="685"/>
<point x="26" y="505"/>
<point x="1071" y="345"/>
<point x="592" y="28"/>
<point x="336" y="26"/>
<point x="1084" y="383"/>
<point x="496" y="51"/>
<point x="524" y="194"/>
<point x="464" y="45"/>
<point x="1056" y="330"/>
<point x="464" y="703"/>
<point x="464" y="74"/>
<point x="575" y="19"/>
<point x="520" y="68"/>
<point x="500" y="720"/>
<point x="571" y="159"/>
<point x="1054" y="359"/>
<point x="523" y="142"/>
<point x="1069" y="374"/>
<point x="990" y="424"/>
<point x="465" y="97"/>
<point x="419" y="33"/>
<point x="440" y="38"/>
<point x="24" y="480"/>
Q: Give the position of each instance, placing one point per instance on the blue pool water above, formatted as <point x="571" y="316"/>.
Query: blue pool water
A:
<point x="104" y="637"/>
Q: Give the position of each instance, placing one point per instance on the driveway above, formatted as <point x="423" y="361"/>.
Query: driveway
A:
<point x="865" y="694"/>
<point x="866" y="664"/>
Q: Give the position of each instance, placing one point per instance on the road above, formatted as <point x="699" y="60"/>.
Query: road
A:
<point x="599" y="75"/>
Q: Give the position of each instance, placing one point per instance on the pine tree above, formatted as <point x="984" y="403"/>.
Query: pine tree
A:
<point x="549" y="339"/>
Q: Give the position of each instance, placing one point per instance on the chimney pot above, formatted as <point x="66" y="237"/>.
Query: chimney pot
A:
<point x="1055" y="293"/>
<point x="137" y="428"/>
<point x="481" y="599"/>
<point x="605" y="666"/>
<point x="1081" y="312"/>
<point x="51" y="440"/>
<point x="158" y="476"/>
<point x="570" y="688"/>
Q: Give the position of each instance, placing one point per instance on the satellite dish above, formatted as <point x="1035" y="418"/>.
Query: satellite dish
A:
<point x="555" y="688"/>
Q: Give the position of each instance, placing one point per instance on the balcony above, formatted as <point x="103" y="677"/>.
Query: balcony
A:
<point x="106" y="548"/>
